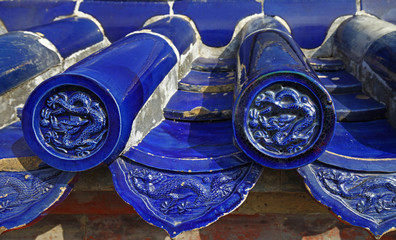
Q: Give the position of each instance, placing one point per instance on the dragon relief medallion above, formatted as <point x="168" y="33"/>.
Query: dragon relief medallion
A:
<point x="73" y="123"/>
<point x="282" y="121"/>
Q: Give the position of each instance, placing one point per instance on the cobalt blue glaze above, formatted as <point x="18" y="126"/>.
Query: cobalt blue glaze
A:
<point x="362" y="146"/>
<point x="361" y="198"/>
<point x="197" y="81"/>
<point x="261" y="22"/>
<point x="179" y="202"/>
<point x="216" y="20"/>
<point x="29" y="190"/>
<point x="339" y="82"/>
<point x="170" y="27"/>
<point x="354" y="36"/>
<point x="326" y="64"/>
<point x="78" y="119"/>
<point x="381" y="57"/>
<point x="309" y="32"/>
<point x="283" y="117"/>
<point x="357" y="107"/>
<point x="29" y="194"/>
<point x="71" y="34"/>
<point x="12" y="143"/>
<point x="20" y="15"/>
<point x="189" y="147"/>
<point x="368" y="39"/>
<point x="22" y="56"/>
<point x="214" y="64"/>
<point x="196" y="106"/>
<point x="120" y="18"/>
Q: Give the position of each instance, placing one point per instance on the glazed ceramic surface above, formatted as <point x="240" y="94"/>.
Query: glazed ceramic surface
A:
<point x="77" y="120"/>
<point x="248" y="96"/>
<point x="28" y="187"/>
<point x="283" y="117"/>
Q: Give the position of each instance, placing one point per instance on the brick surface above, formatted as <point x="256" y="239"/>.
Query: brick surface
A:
<point x="278" y="208"/>
<point x="52" y="227"/>
<point x="125" y="227"/>
<point x="92" y="202"/>
<point x="317" y="226"/>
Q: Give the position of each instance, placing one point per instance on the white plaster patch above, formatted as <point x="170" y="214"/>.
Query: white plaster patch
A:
<point x="358" y="6"/>
<point x="171" y="12"/>
<point x="45" y="42"/>
<point x="53" y="233"/>
<point x="170" y="43"/>
<point x="19" y="95"/>
<point x="151" y="114"/>
<point x="77" y="6"/>
<point x="3" y="28"/>
<point x="78" y="56"/>
<point x="83" y="15"/>
<point x="283" y="22"/>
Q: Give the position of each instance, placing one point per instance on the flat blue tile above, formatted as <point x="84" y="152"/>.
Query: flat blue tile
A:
<point x="364" y="146"/>
<point x="197" y="81"/>
<point x="22" y="57"/>
<point x="120" y="18"/>
<point x="309" y="20"/>
<point x="20" y="15"/>
<point x="188" y="146"/>
<point x="326" y="64"/>
<point x="357" y="107"/>
<point x="12" y="143"/>
<point x="171" y="27"/>
<point x="71" y="34"/>
<point x="214" y="64"/>
<point x="216" y="20"/>
<point x="339" y="82"/>
<point x="195" y="106"/>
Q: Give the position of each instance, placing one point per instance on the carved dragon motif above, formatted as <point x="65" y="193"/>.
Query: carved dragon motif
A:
<point x="181" y="194"/>
<point x="282" y="122"/>
<point x="76" y="124"/>
<point x="19" y="190"/>
<point x="367" y="193"/>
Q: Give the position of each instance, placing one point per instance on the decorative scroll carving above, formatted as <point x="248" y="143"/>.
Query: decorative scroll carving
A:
<point x="282" y="122"/>
<point x="19" y="191"/>
<point x="179" y="201"/>
<point x="369" y="194"/>
<point x="183" y="194"/>
<point x="73" y="123"/>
